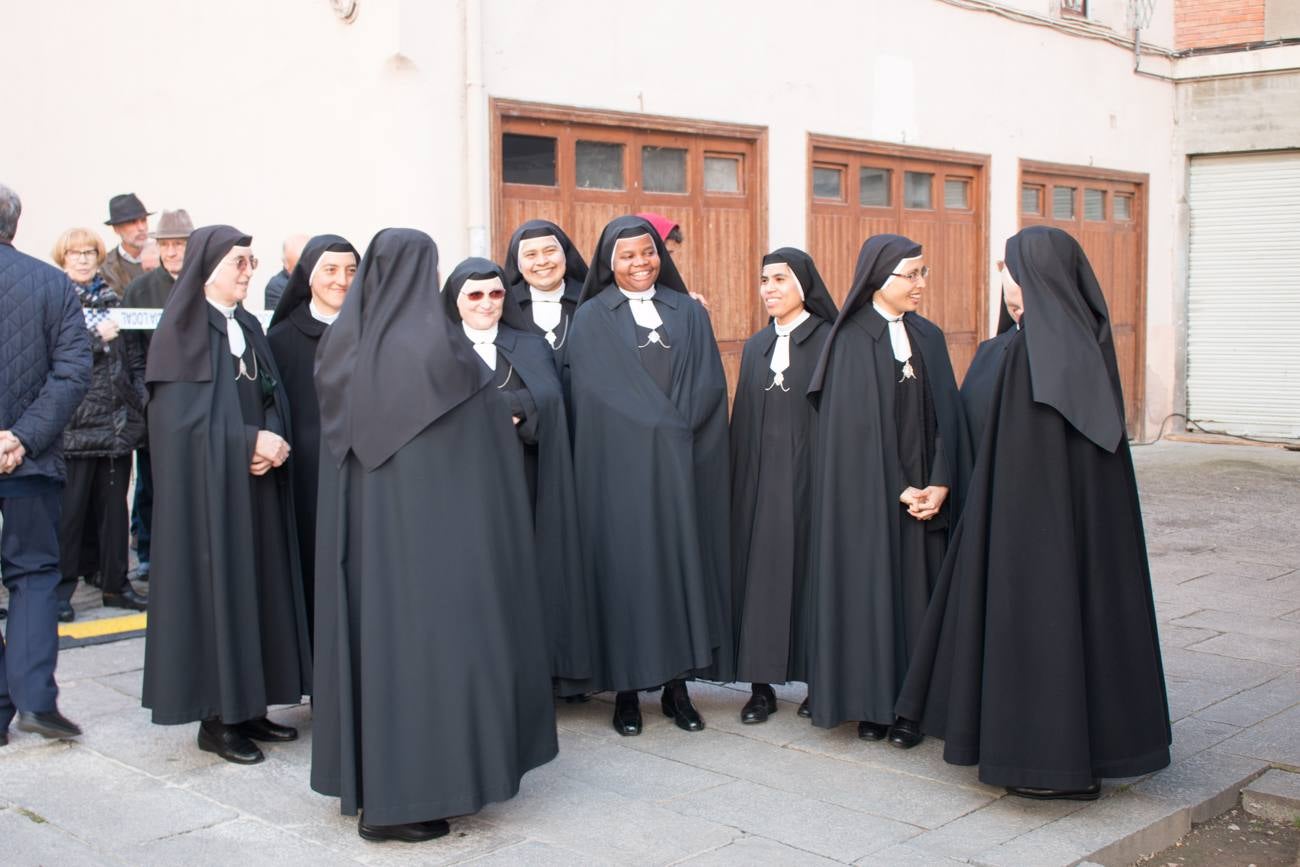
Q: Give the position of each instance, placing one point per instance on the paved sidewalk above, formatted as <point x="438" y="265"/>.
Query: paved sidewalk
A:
<point x="1225" y="547"/>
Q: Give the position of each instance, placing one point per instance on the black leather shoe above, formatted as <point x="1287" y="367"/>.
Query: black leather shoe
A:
<point x="760" y="706"/>
<point x="905" y="733"/>
<point x="577" y="699"/>
<point x="804" y="711"/>
<point x="4" y="613"/>
<point x="1089" y="794"/>
<point x="676" y="703"/>
<point x="411" y="832"/>
<point x="48" y="724"/>
<point x="627" y="714"/>
<point x="128" y="598"/>
<point x="264" y="730"/>
<point x="95" y="580"/>
<point x="66" y="612"/>
<point x="227" y="742"/>
<point x="870" y="731"/>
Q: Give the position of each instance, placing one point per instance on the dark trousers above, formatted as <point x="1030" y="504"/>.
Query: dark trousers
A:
<point x="142" y="505"/>
<point x="29" y="562"/>
<point x="95" y="496"/>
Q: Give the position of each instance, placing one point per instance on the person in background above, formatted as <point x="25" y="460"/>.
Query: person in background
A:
<point x="290" y="251"/>
<point x="129" y="219"/>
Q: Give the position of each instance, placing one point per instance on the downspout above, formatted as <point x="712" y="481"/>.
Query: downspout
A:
<point x="476" y="132"/>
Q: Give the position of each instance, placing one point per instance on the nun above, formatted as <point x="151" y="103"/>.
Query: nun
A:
<point x="1039" y="659"/>
<point x="309" y="305"/>
<point x="525" y="379"/>
<point x="434" y="689"/>
<point x="228" y="635"/>
<point x="892" y="459"/>
<point x="544" y="273"/>
<point x="773" y="432"/>
<point x="648" y="405"/>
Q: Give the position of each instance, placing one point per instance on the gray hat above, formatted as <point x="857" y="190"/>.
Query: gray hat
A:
<point x="173" y="224"/>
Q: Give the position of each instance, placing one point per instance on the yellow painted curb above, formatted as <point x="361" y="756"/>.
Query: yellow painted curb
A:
<point x="103" y="626"/>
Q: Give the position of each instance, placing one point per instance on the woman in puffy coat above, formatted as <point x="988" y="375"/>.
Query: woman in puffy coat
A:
<point x="106" y="428"/>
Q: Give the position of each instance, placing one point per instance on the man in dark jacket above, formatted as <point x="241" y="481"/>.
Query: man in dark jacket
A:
<point x="46" y="372"/>
<point x="129" y="219"/>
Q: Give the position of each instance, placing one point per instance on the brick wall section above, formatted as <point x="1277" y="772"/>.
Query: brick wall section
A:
<point x="1206" y="23"/>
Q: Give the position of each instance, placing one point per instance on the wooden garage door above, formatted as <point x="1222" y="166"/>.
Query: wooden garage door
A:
<point x="580" y="169"/>
<point x="938" y="198"/>
<point x="1106" y="212"/>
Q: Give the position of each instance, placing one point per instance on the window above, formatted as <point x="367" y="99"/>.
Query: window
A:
<point x="1063" y="203"/>
<point x="916" y="190"/>
<point x="528" y="159"/>
<point x="721" y="174"/>
<point x="1123" y="205"/>
<point x="663" y="170"/>
<point x="1074" y="8"/>
<point x="1094" y="204"/>
<point x="873" y="187"/>
<point x="828" y="183"/>
<point x="599" y="165"/>
<point x="1031" y="199"/>
<point x="956" y="194"/>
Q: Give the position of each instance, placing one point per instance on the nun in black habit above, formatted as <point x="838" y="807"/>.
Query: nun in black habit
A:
<point x="1039" y="659"/>
<point x="892" y="460"/>
<point x="228" y="632"/>
<point x="773" y="432"/>
<point x="526" y="379"/>
<point x="434" y="689"/>
<point x="544" y="274"/>
<point x="309" y="305"/>
<point x="648" y="410"/>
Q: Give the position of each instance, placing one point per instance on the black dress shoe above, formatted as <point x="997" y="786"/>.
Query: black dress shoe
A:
<point x="676" y="703"/>
<point x="4" y="613"/>
<point x="128" y="598"/>
<point x="48" y="724"/>
<point x="760" y="706"/>
<point x="95" y="580"/>
<point x="1089" y="794"/>
<point x="804" y="711"/>
<point x="411" y="832"/>
<point x="905" y="733"/>
<point x="66" y="612"/>
<point x="577" y="699"/>
<point x="627" y="714"/>
<point x="870" y="731"/>
<point x="227" y="742"/>
<point x="262" y="729"/>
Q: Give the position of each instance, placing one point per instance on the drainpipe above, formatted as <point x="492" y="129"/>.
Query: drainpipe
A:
<point x="476" y="132"/>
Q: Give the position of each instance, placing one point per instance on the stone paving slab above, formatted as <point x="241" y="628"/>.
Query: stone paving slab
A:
<point x="1276" y="739"/>
<point x="1274" y="796"/>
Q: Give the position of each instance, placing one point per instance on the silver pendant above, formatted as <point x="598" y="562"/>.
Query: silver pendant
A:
<point x="550" y="338"/>
<point x="908" y="373"/>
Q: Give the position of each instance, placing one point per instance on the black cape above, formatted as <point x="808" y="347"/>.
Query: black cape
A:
<point x="575" y="273"/>
<point x="773" y="433"/>
<point x="434" y="693"/>
<point x="566" y="599"/>
<point x="227" y="632"/>
<point x="652" y="479"/>
<point x="293" y="337"/>
<point x="1039" y="658"/>
<point x="863" y="607"/>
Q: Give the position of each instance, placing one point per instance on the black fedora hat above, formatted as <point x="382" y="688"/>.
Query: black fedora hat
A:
<point x="125" y="208"/>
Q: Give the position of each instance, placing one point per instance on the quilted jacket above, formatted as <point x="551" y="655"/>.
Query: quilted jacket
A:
<point x="44" y="359"/>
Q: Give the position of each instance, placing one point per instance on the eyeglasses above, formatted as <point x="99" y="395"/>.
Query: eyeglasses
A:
<point x="81" y="254"/>
<point x="912" y="276"/>
<point x="244" y="263"/>
<point x="476" y="295"/>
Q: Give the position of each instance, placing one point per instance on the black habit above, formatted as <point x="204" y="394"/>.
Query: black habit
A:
<point x="1039" y="659"/>
<point x="773" y="433"/>
<point x="528" y="382"/>
<point x="649" y="426"/>
<point x="293" y="336"/>
<point x="873" y="565"/>
<point x="575" y="273"/>
<point x="433" y="689"/>
<point x="227" y="629"/>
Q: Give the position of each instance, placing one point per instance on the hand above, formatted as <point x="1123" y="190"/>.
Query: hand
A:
<point x="909" y="496"/>
<point x="12" y="452"/>
<point x="700" y="298"/>
<point x="516" y="419"/>
<point x="270" y="451"/>
<point x="927" y="502"/>
<point x="108" y="330"/>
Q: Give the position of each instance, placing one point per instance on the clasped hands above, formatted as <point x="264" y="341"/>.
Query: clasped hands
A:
<point x="923" y="503"/>
<point x="11" y="452"/>
<point x="270" y="451"/>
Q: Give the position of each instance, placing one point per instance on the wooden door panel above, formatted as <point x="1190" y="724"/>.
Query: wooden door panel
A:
<point x="730" y="274"/>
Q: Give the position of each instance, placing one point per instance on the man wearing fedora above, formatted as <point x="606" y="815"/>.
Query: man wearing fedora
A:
<point x="130" y="220"/>
<point x="150" y="291"/>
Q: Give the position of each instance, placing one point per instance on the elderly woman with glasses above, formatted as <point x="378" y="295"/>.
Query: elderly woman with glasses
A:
<point x="97" y="444"/>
